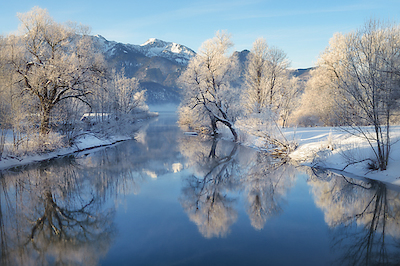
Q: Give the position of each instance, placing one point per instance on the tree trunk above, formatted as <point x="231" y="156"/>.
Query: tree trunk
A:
<point x="235" y="136"/>
<point x="45" y="120"/>
<point x="213" y="148"/>
<point x="232" y="129"/>
<point x="214" y="125"/>
<point x="227" y="123"/>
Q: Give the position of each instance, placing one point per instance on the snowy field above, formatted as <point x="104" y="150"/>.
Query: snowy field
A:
<point x="333" y="148"/>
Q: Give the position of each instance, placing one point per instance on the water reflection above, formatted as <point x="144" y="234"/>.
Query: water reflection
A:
<point x="50" y="215"/>
<point x="364" y="215"/>
<point x="222" y="170"/>
<point x="63" y="211"/>
<point x="266" y="183"/>
<point x="205" y="198"/>
<point x="67" y="211"/>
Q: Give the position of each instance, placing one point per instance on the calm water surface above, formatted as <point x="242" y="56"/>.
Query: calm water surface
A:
<point x="169" y="199"/>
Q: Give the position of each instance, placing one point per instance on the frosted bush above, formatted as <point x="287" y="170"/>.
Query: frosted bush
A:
<point x="34" y="143"/>
<point x="264" y="131"/>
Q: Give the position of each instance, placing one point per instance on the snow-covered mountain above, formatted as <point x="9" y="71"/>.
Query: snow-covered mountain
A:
<point x="156" y="64"/>
<point x="170" y="50"/>
<point x="153" y="47"/>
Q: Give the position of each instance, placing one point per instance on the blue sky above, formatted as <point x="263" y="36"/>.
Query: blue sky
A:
<point x="302" y="29"/>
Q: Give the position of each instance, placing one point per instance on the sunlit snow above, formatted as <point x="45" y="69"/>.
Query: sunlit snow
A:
<point x="331" y="147"/>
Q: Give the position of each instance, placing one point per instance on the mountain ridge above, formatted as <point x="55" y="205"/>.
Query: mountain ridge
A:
<point x="178" y="53"/>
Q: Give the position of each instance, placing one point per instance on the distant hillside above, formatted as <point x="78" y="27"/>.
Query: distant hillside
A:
<point x="242" y="60"/>
<point x="156" y="64"/>
<point x="302" y="73"/>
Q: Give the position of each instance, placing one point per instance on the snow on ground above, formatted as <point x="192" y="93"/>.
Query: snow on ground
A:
<point x="88" y="141"/>
<point x="333" y="148"/>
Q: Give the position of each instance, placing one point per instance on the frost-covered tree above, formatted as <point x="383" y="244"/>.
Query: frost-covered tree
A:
<point x="15" y="106"/>
<point x="265" y="76"/>
<point x="277" y="71"/>
<point x="255" y="97"/>
<point x="126" y="94"/>
<point x="267" y="95"/>
<point x="56" y="62"/>
<point x="363" y="67"/>
<point x="313" y="112"/>
<point x="288" y="100"/>
<point x="206" y="86"/>
<point x="3" y="99"/>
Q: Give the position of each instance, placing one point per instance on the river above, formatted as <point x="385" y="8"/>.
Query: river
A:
<point x="165" y="198"/>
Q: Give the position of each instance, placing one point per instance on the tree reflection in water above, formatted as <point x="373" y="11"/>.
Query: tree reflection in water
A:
<point x="222" y="169"/>
<point x="63" y="211"/>
<point x="205" y="199"/>
<point x="55" y="213"/>
<point x="266" y="183"/>
<point x="365" y="216"/>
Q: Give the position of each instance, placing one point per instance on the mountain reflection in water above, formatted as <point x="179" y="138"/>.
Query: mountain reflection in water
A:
<point x="165" y="198"/>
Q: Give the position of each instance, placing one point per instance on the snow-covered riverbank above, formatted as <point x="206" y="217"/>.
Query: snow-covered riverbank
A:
<point x="333" y="148"/>
<point x="324" y="147"/>
<point x="86" y="142"/>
